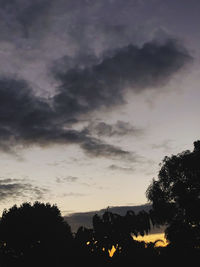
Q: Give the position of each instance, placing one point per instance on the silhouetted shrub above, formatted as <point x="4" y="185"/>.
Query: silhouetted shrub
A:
<point x="35" y="233"/>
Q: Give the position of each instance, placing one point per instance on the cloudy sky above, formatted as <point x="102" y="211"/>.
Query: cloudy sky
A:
<point x="93" y="95"/>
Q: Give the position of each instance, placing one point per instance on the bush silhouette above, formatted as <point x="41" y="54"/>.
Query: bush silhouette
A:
<point x="176" y="197"/>
<point x="35" y="231"/>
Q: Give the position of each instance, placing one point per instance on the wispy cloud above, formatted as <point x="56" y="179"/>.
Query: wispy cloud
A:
<point x="166" y="145"/>
<point x="74" y="194"/>
<point x="114" y="167"/>
<point x="14" y="189"/>
<point x="120" y="128"/>
<point x="68" y="179"/>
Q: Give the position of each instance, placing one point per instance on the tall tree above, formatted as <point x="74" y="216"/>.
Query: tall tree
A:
<point x="175" y="197"/>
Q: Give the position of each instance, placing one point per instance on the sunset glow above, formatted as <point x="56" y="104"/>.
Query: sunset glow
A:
<point x="153" y="238"/>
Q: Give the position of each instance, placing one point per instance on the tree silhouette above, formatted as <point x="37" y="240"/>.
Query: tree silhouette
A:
<point x="176" y="197"/>
<point x="35" y="232"/>
<point x="115" y="230"/>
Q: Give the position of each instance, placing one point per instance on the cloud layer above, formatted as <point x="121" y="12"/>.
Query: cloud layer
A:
<point x="105" y="84"/>
<point x="120" y="128"/>
<point x="19" y="189"/>
<point x="27" y="119"/>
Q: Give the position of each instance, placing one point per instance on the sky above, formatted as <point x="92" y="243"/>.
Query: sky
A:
<point x="93" y="95"/>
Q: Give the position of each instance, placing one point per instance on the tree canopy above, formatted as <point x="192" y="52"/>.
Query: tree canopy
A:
<point x="175" y="197"/>
<point x="34" y="228"/>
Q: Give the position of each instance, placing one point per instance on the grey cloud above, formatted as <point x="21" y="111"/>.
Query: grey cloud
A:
<point x="105" y="84"/>
<point x="15" y="188"/>
<point x="72" y="194"/>
<point x="35" y="33"/>
<point x="114" y="167"/>
<point x="8" y="180"/>
<point x="90" y="145"/>
<point x="54" y="164"/>
<point x="81" y="26"/>
<point x="21" y="15"/>
<point x="69" y="179"/>
<point x="27" y="119"/>
<point x="87" y="184"/>
<point x="120" y="128"/>
<point x="97" y="148"/>
<point x="73" y="179"/>
<point x="23" y="116"/>
<point x="166" y="145"/>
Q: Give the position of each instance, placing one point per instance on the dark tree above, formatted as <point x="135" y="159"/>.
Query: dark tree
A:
<point x="115" y="230"/>
<point x="175" y="197"/>
<point x="34" y="232"/>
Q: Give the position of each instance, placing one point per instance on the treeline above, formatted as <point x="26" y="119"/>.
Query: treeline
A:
<point x="37" y="235"/>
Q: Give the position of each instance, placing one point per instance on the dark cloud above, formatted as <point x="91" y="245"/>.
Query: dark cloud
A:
<point x="105" y="84"/>
<point x="84" y="24"/>
<point x="12" y="189"/>
<point x="97" y="148"/>
<point x="23" y="14"/>
<point x="120" y="128"/>
<point x="35" y="33"/>
<point x="27" y="119"/>
<point x="24" y="118"/>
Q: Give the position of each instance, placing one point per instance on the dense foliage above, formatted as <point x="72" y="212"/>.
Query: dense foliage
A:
<point x="176" y="197"/>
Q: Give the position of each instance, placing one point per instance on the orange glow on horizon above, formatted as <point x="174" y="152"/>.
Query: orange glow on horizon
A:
<point x="153" y="238"/>
<point x="160" y="238"/>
